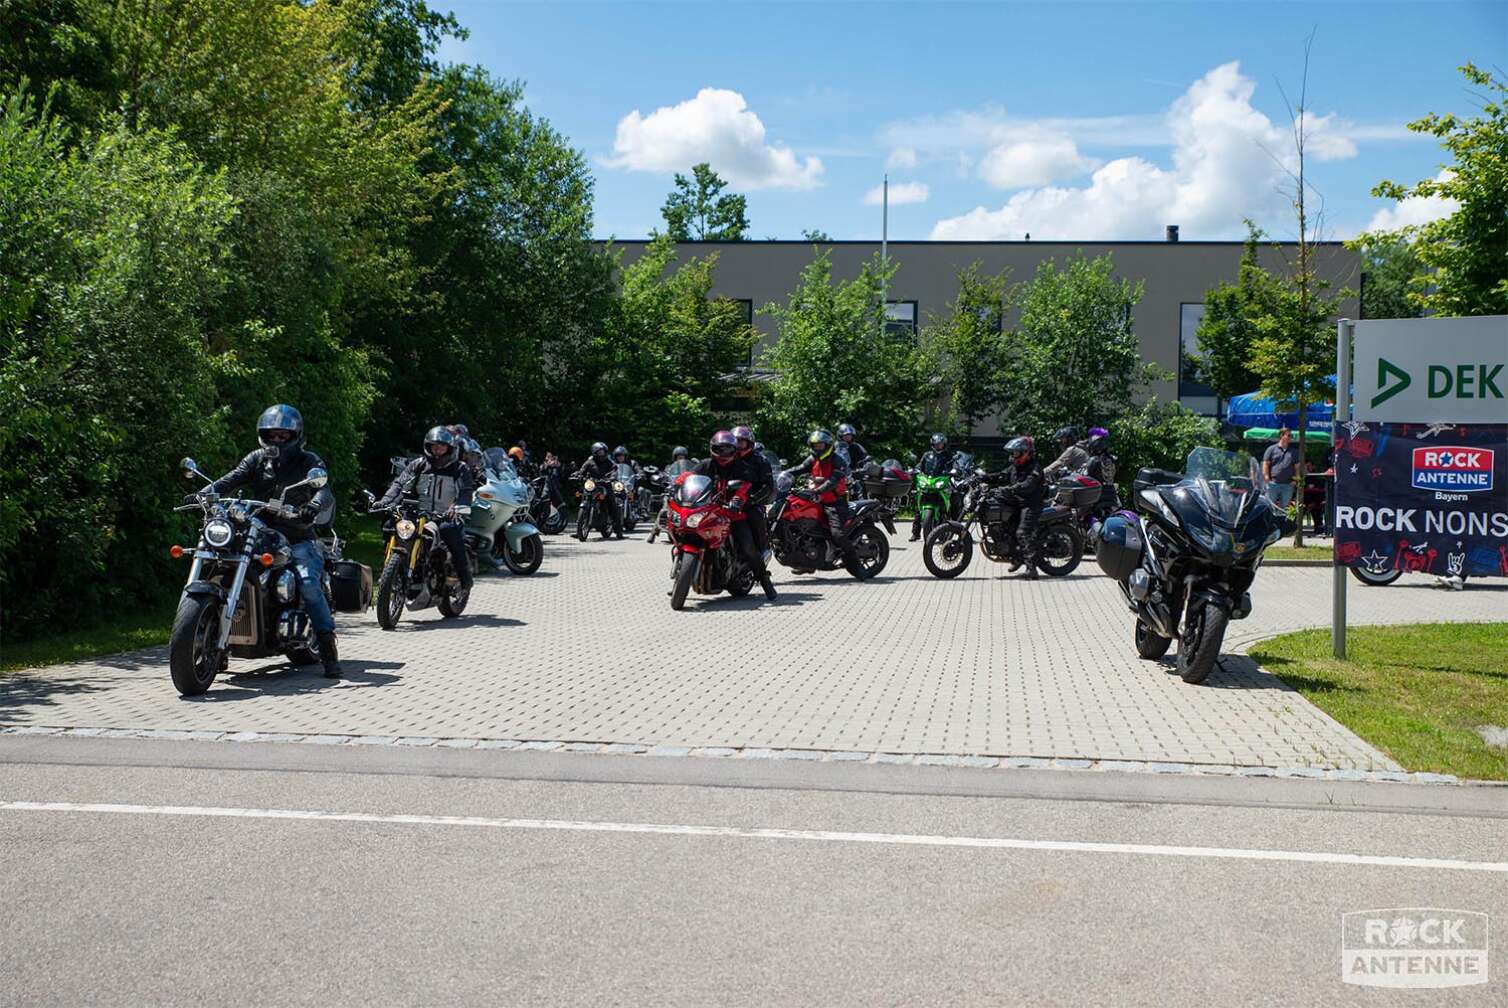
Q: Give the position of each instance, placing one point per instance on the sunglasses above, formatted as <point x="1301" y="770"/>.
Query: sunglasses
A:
<point x="278" y="436"/>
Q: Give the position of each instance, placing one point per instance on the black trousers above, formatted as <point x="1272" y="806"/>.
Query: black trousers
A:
<point x="743" y="541"/>
<point x="837" y="522"/>
<point x="1023" y="520"/>
<point x="758" y="526"/>
<point x="455" y="542"/>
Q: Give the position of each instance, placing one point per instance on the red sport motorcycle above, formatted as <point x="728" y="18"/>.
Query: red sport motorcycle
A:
<point x="800" y="539"/>
<point x="700" y="523"/>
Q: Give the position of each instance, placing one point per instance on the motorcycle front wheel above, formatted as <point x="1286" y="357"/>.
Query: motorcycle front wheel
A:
<point x="1199" y="648"/>
<point x="392" y="592"/>
<point x="531" y="552"/>
<point x="871" y="553"/>
<point x="1060" y="551"/>
<point x="947" y="551"/>
<point x="193" y="659"/>
<point x="686" y="565"/>
<point x="453" y="602"/>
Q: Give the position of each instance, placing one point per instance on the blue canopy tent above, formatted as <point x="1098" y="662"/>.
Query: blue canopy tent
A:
<point x="1256" y="410"/>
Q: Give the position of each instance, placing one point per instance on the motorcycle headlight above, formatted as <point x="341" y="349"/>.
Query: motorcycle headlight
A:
<point x="696" y="519"/>
<point x="590" y="485"/>
<point x="217" y="532"/>
<point x="404" y="528"/>
<point x="617" y="487"/>
<point x="287" y="586"/>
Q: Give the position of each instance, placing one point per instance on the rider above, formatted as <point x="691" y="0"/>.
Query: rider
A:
<point x="1073" y="458"/>
<point x="1024" y="490"/>
<point x="281" y="461"/>
<point x="599" y="467"/>
<point x="629" y="475"/>
<point x="451" y="486"/>
<point x="857" y="456"/>
<point x="727" y="464"/>
<point x="763" y="489"/>
<point x="830" y="476"/>
<point x="938" y="461"/>
<point x="680" y="461"/>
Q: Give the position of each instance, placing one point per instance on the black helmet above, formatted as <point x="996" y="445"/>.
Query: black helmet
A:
<point x="846" y="430"/>
<point x="820" y="442"/>
<point x="1019" y="447"/>
<point x="471" y="451"/>
<point x="599" y="448"/>
<point x="939" y="442"/>
<point x="439" y="436"/>
<point x="723" y="446"/>
<point x="1098" y="444"/>
<point x="620" y="450"/>
<point x="1066" y="436"/>
<point x="461" y="429"/>
<point x="280" y="428"/>
<point x="679" y="452"/>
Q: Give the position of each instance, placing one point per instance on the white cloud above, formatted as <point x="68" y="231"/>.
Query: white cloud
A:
<point x="1033" y="162"/>
<point x="717" y="126"/>
<point x="1228" y="161"/>
<point x="900" y="193"/>
<point x="1326" y="138"/>
<point x="1414" y="210"/>
<point x="902" y="157"/>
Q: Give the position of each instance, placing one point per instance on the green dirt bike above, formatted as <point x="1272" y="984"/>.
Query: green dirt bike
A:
<point x="935" y="494"/>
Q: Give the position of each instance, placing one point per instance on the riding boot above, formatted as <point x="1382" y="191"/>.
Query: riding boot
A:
<point x="768" y="586"/>
<point x="329" y="654"/>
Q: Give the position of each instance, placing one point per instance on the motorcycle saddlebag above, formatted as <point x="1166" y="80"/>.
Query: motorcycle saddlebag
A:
<point x="1118" y="551"/>
<point x="351" y="584"/>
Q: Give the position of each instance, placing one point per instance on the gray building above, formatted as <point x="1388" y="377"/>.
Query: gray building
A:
<point x="1176" y="276"/>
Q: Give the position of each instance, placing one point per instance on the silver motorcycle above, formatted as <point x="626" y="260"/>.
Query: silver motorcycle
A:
<point x="499" y="529"/>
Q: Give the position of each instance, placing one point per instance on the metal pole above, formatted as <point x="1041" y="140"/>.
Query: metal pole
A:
<point x="1345" y="329"/>
<point x="884" y="253"/>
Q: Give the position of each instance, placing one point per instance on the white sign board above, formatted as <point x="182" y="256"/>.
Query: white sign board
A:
<point x="1432" y="370"/>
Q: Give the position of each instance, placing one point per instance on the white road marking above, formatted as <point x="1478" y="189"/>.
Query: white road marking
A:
<point x="902" y="839"/>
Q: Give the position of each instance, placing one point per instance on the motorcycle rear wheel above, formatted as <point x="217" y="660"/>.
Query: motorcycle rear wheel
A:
<point x="392" y="593"/>
<point x="1375" y="579"/>
<point x="1149" y="643"/>
<point x="1059" y="552"/>
<point x="1199" y="647"/>
<point x="193" y="660"/>
<point x="686" y="566"/>
<point x="947" y="551"/>
<point x="531" y="553"/>
<point x="453" y="602"/>
<point x="554" y="523"/>
<point x="868" y="540"/>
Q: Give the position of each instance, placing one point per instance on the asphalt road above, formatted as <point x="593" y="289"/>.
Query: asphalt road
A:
<point x="535" y="878"/>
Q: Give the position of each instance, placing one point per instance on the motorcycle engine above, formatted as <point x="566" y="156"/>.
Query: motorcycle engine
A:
<point x="807" y="543"/>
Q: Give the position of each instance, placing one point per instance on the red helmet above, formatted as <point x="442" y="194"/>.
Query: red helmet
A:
<point x="724" y="447"/>
<point x="742" y="433"/>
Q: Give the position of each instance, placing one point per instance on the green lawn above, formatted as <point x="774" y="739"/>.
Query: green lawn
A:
<point x="1305" y="553"/>
<point x="149" y="627"/>
<point x="1419" y="693"/>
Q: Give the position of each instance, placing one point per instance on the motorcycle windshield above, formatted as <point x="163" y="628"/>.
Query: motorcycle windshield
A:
<point x="1221" y="501"/>
<point x="694" y="490"/>
<point x="624" y="474"/>
<point x="963" y="462"/>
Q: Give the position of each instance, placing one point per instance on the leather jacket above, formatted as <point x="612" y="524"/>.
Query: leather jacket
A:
<point x="267" y="478"/>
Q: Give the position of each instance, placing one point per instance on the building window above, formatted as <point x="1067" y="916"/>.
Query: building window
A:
<point x="900" y="317"/>
<point x="1193" y="392"/>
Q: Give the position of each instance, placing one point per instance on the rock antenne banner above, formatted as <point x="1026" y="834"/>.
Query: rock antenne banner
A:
<point x="1431" y="498"/>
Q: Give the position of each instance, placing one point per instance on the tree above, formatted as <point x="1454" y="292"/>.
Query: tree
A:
<point x="1159" y="435"/>
<point x="1389" y="265"/>
<point x="836" y="361"/>
<point x="1228" y="328"/>
<point x="696" y="210"/>
<point x="969" y="352"/>
<point x="1464" y="255"/>
<point x="1076" y="359"/>
<point x="815" y="235"/>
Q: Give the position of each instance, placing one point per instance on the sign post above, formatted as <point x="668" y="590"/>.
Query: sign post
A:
<point x="1344" y="330"/>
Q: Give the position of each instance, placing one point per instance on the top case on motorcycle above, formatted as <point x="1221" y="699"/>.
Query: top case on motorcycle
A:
<point x="435" y="493"/>
<point x="1147" y="478"/>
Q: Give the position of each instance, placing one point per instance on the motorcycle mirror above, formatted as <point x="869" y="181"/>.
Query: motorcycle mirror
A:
<point x="189" y="466"/>
<point x="317" y="478"/>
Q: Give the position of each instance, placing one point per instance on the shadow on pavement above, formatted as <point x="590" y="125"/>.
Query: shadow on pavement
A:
<point x="292" y="680"/>
<point x="753" y="600"/>
<point x="1231" y="672"/>
<point x="21" y="692"/>
<point x="464" y="621"/>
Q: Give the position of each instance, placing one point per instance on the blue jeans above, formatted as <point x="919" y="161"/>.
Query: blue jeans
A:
<point x="1280" y="494"/>
<point x="309" y="564"/>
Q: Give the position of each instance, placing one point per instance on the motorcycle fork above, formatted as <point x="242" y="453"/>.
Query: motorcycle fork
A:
<point x="413" y="553"/>
<point x="228" y="610"/>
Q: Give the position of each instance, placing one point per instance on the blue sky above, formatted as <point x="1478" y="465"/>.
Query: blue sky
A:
<point x="1068" y="120"/>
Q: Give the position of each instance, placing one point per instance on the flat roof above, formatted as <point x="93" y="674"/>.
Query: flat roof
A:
<point x="951" y="241"/>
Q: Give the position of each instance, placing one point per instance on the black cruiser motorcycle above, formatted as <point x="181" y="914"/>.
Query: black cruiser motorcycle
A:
<point x="1186" y="559"/>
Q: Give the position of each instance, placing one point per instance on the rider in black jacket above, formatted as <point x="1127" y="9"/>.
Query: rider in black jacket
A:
<point x="938" y="461"/>
<point x="600" y="467"/>
<point x="281" y="462"/>
<point x="441" y="459"/>
<point x="763" y="489"/>
<point x="857" y="456"/>
<point x="725" y="463"/>
<point x="1024" y="488"/>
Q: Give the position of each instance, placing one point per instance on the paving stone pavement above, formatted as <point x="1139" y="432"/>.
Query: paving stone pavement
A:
<point x="588" y="651"/>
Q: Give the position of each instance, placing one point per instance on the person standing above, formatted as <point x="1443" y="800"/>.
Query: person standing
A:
<point x="1281" y="466"/>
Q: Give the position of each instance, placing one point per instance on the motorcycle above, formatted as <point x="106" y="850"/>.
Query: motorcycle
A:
<point x="542" y="514"/>
<point x="704" y="557"/>
<point x="656" y="485"/>
<point x="800" y="539"/>
<point x="1060" y="542"/>
<point x="498" y="528"/>
<point x="594" y="514"/>
<point x="1186" y="558"/>
<point x="625" y="489"/>
<point x="887" y="482"/>
<point x="935" y="494"/>
<point x="417" y="568"/>
<point x="242" y="595"/>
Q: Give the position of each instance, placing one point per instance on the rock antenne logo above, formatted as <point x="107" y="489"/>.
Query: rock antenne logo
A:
<point x="1453" y="468"/>
<point x="1417" y="947"/>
